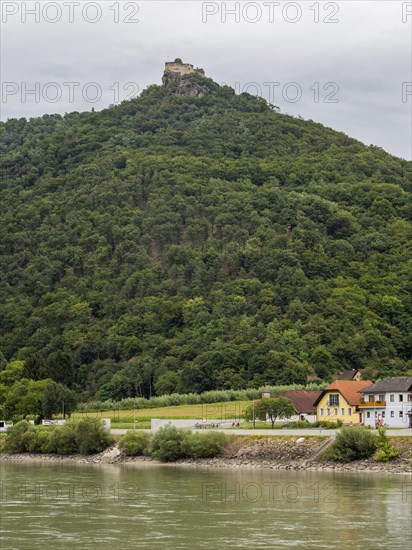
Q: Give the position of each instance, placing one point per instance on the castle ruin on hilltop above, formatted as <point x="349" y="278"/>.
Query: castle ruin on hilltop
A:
<point x="177" y="78"/>
<point x="178" y="67"/>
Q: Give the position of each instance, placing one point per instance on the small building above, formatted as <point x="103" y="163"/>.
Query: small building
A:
<point x="350" y="374"/>
<point x="340" y="401"/>
<point x="265" y="393"/>
<point x="388" y="401"/>
<point x="5" y="425"/>
<point x="304" y="402"/>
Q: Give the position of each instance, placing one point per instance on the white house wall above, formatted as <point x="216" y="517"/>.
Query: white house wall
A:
<point x="393" y="415"/>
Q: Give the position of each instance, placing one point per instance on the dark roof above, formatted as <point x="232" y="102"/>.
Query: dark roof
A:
<point x="349" y="389"/>
<point x="303" y="400"/>
<point x="393" y="383"/>
<point x="347" y="374"/>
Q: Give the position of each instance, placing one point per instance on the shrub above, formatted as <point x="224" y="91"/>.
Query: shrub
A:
<point x="134" y="443"/>
<point x="204" y="445"/>
<point x="353" y="444"/>
<point x="63" y="440"/>
<point x="169" y="444"/>
<point x="43" y="440"/>
<point x="91" y="436"/>
<point x="15" y="442"/>
<point x="29" y="441"/>
<point x="385" y="451"/>
<point x="86" y="436"/>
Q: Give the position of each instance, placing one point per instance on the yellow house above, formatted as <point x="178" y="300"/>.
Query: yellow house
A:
<point x="340" y="401"/>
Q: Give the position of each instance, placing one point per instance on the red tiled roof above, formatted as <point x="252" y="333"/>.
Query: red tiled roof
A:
<point x="348" y="388"/>
<point x="303" y="400"/>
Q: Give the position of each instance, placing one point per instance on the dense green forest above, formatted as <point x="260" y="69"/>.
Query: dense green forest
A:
<point x="183" y="244"/>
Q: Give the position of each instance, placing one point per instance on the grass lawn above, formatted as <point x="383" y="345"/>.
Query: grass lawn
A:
<point x="207" y="411"/>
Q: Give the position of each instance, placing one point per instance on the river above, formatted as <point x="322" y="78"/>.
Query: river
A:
<point x="121" y="507"/>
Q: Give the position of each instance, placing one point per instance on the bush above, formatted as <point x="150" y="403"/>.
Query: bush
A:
<point x="169" y="444"/>
<point x="86" y="436"/>
<point x="91" y="436"/>
<point x="204" y="445"/>
<point x="134" y="443"/>
<point x="29" y="441"/>
<point x="15" y="440"/>
<point x="327" y="425"/>
<point x="62" y="440"/>
<point x="43" y="440"/>
<point x="353" y="444"/>
<point x="385" y="451"/>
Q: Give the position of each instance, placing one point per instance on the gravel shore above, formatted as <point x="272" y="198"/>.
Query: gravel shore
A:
<point x="245" y="453"/>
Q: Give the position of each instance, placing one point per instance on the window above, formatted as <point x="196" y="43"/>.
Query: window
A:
<point x="328" y="411"/>
<point x="334" y="399"/>
<point x="371" y="399"/>
<point x="343" y="412"/>
<point x="392" y="398"/>
<point x="381" y="397"/>
<point x="401" y="397"/>
<point x="321" y="412"/>
<point x="409" y="397"/>
<point x="392" y="414"/>
<point x="400" y="414"/>
<point x="336" y="412"/>
<point x="383" y="414"/>
<point x="350" y="411"/>
<point x="368" y="414"/>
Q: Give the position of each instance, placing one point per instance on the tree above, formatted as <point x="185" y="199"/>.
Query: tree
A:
<point x="26" y="398"/>
<point x="35" y="367"/>
<point x="270" y="408"/>
<point x="167" y="383"/>
<point x="58" y="398"/>
<point x="248" y="246"/>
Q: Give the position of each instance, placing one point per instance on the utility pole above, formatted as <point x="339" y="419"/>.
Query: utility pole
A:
<point x="134" y="414"/>
<point x="63" y="410"/>
<point x="253" y="406"/>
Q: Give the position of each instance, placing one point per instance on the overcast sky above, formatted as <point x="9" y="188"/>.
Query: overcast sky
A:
<point x="346" y="64"/>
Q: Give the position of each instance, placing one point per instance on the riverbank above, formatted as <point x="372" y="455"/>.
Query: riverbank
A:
<point x="249" y="453"/>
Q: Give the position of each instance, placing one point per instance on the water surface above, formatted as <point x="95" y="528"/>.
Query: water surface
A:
<point x="77" y="506"/>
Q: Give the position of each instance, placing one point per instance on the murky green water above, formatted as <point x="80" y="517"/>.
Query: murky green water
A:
<point x="122" y="507"/>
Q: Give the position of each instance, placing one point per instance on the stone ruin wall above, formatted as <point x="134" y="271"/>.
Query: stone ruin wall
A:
<point x="177" y="66"/>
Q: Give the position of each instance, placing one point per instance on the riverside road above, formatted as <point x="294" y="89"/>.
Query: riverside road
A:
<point x="401" y="432"/>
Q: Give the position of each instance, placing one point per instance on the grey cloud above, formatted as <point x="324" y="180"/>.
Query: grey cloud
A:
<point x="368" y="54"/>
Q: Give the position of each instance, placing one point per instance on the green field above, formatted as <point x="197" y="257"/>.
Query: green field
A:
<point x="206" y="411"/>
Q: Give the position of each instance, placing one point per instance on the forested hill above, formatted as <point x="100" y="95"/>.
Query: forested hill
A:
<point x="178" y="243"/>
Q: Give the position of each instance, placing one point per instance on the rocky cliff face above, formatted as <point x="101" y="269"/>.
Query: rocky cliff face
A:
<point x="189" y="85"/>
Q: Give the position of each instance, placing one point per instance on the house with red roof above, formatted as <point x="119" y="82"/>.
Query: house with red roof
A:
<point x="340" y="401"/>
<point x="303" y="401"/>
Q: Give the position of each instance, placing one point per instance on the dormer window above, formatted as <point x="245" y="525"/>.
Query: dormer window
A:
<point x="334" y="400"/>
